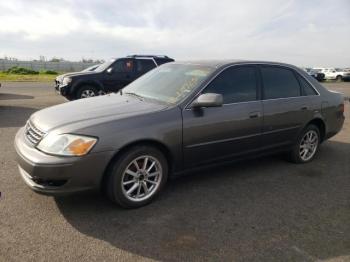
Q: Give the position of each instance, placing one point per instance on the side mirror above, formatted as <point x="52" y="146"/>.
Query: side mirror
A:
<point x="109" y="70"/>
<point x="208" y="100"/>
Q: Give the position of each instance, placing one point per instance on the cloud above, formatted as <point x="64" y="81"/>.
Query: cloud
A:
<point x="299" y="32"/>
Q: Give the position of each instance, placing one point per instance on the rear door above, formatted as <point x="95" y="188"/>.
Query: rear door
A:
<point x="143" y="66"/>
<point x="218" y="133"/>
<point x="286" y="109"/>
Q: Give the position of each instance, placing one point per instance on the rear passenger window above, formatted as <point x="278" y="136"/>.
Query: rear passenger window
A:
<point x="307" y="89"/>
<point x="161" y="61"/>
<point x="236" y="84"/>
<point x="144" y="65"/>
<point x="279" y="83"/>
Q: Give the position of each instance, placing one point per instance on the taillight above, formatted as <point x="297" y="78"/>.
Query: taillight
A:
<point x="340" y="111"/>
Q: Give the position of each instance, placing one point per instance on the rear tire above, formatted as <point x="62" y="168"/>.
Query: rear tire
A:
<point x="338" y="78"/>
<point x="137" y="176"/>
<point x="306" y="146"/>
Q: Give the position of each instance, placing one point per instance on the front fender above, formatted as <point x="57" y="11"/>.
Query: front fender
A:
<point x="79" y="83"/>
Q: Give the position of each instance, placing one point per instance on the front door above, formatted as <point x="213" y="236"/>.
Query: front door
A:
<point x="219" y="133"/>
<point x="120" y="74"/>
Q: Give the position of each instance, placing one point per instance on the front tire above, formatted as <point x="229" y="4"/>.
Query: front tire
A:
<point x="338" y="78"/>
<point x="86" y="91"/>
<point x="137" y="176"/>
<point x="307" y="145"/>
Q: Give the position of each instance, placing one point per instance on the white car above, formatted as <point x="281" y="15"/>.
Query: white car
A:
<point x="330" y="73"/>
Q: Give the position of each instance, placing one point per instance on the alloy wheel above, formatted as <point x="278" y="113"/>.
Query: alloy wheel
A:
<point x="308" y="145"/>
<point x="141" y="178"/>
<point x="87" y="93"/>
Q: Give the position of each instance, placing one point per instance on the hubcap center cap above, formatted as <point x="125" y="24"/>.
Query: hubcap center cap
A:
<point x="142" y="175"/>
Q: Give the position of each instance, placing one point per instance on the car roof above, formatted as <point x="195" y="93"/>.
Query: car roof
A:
<point x="224" y="63"/>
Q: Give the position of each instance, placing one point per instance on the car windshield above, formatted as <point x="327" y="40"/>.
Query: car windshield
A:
<point x="169" y="83"/>
<point x="105" y="65"/>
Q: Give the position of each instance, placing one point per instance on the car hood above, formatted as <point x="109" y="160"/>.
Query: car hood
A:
<point x="73" y="74"/>
<point x="93" y="110"/>
<point x="84" y="73"/>
<point x="60" y="77"/>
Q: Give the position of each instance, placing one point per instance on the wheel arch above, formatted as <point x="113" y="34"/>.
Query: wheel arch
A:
<point x="321" y="126"/>
<point x="79" y="84"/>
<point x="144" y="142"/>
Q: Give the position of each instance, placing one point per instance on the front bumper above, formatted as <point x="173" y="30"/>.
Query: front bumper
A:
<point x="61" y="89"/>
<point x="319" y="76"/>
<point x="54" y="175"/>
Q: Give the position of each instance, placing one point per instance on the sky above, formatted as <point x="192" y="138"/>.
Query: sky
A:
<point x="301" y="32"/>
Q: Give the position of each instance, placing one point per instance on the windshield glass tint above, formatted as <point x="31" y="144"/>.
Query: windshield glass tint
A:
<point x="169" y="83"/>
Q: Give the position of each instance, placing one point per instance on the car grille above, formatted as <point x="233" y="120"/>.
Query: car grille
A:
<point x="33" y="134"/>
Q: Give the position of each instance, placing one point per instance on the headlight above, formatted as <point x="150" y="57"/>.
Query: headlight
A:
<point x="66" y="80"/>
<point x="66" y="144"/>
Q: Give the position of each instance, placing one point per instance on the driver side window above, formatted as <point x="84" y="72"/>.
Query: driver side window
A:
<point x="123" y="66"/>
<point x="235" y="84"/>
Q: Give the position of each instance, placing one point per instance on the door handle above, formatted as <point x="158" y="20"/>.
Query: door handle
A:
<point x="254" y="114"/>
<point x="304" y="108"/>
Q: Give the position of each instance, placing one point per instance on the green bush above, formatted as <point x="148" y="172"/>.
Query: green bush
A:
<point x="21" y="71"/>
<point x="48" y="72"/>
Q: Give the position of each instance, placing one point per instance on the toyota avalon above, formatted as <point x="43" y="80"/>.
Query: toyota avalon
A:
<point x="177" y="117"/>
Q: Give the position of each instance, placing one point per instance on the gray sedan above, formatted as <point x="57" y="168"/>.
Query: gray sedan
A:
<point x="176" y="118"/>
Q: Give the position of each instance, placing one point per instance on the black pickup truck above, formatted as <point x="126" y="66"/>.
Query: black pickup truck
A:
<point x="110" y="76"/>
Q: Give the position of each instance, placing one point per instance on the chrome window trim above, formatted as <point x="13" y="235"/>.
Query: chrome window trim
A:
<point x="307" y="81"/>
<point x="155" y="62"/>
<point x="146" y="58"/>
<point x="243" y="102"/>
<point x="252" y="64"/>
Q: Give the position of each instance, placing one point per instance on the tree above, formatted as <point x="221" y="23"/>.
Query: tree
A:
<point x="55" y="59"/>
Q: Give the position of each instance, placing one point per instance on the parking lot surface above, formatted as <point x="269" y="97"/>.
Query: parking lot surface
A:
<point x="257" y="210"/>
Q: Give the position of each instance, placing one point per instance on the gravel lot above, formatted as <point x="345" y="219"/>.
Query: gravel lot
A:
<point x="258" y="210"/>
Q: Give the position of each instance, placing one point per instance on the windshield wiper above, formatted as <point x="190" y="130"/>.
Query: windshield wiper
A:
<point x="134" y="94"/>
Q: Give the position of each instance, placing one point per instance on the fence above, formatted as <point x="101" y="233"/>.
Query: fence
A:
<point x="39" y="65"/>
